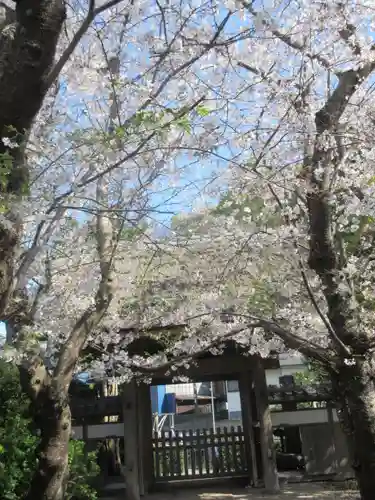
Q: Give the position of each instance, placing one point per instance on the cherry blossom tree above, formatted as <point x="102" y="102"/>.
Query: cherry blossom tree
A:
<point x="326" y="198"/>
<point x="275" y="102"/>
<point x="292" y="257"/>
<point x="95" y="99"/>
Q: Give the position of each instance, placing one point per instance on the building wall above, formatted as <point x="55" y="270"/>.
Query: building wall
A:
<point x="274" y="375"/>
<point x="289" y="365"/>
<point x="234" y="404"/>
<point x="203" y="388"/>
<point x="182" y="389"/>
<point x="291" y="359"/>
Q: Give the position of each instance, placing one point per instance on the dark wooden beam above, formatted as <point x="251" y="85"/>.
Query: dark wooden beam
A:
<point x="112" y="405"/>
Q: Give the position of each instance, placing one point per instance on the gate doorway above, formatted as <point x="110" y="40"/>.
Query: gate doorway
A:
<point x="199" y="433"/>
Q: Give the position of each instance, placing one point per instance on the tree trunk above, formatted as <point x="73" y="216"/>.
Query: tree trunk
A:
<point x="355" y="393"/>
<point x="9" y="242"/>
<point x="52" y="418"/>
<point x="28" y="43"/>
<point x="54" y="423"/>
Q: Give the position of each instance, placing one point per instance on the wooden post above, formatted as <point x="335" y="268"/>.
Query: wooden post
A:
<point x="145" y="438"/>
<point x="131" y="441"/>
<point x="270" y="476"/>
<point x="244" y="384"/>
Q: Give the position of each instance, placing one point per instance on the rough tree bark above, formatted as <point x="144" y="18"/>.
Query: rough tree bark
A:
<point x="354" y="393"/>
<point x="49" y="392"/>
<point x="28" y="40"/>
<point x="52" y="419"/>
<point x="354" y="371"/>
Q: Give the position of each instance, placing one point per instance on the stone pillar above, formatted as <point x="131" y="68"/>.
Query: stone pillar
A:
<point x="131" y="441"/>
<point x="270" y="476"/>
<point x="245" y="387"/>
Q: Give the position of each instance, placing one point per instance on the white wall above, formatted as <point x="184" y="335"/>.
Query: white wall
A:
<point x="288" y="359"/>
<point x="289" y="364"/>
<point x="182" y="389"/>
<point x="233" y="401"/>
<point x="302" y="417"/>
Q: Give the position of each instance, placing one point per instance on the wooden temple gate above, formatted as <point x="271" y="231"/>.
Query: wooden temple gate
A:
<point x="190" y="455"/>
<point x="150" y="460"/>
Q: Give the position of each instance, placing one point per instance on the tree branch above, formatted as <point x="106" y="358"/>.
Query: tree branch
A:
<point x="293" y="341"/>
<point x="288" y="39"/>
<point x="91" y="14"/>
<point x="106" y="244"/>
<point x="70" y="351"/>
<point x="306" y="347"/>
<point x="344" y="349"/>
<point x="323" y="258"/>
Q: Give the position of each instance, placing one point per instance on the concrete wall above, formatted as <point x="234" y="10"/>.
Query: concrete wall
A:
<point x="325" y="451"/>
<point x="302" y="417"/>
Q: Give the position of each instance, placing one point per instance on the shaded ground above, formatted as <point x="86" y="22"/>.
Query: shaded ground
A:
<point x="306" y="491"/>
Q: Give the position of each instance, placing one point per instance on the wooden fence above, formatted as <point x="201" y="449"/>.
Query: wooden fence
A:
<point x="199" y="454"/>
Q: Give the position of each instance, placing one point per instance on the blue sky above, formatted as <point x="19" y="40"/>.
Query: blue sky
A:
<point x="194" y="174"/>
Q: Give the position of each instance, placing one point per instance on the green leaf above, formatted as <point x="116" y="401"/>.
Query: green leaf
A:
<point x="131" y="233"/>
<point x="202" y="111"/>
<point x="145" y="117"/>
<point x="184" y="123"/>
<point x="18" y="446"/>
<point x="120" y="132"/>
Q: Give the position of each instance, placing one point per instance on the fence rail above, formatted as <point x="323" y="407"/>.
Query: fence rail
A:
<point x="198" y="454"/>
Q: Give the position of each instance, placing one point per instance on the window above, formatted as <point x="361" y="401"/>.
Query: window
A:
<point x="232" y="386"/>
